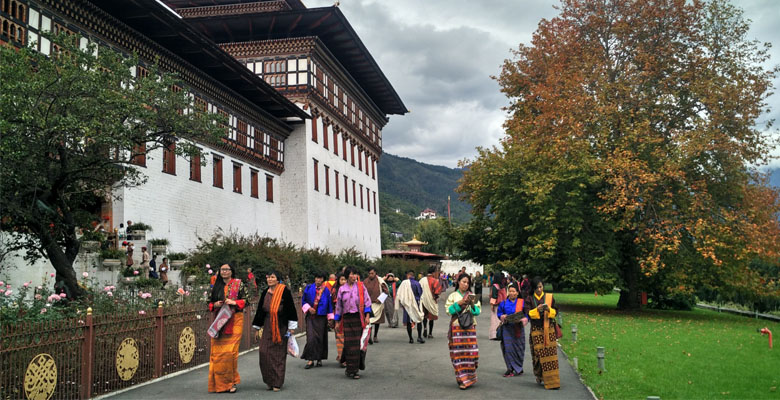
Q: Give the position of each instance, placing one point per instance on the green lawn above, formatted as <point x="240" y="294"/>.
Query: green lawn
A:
<point x="672" y="354"/>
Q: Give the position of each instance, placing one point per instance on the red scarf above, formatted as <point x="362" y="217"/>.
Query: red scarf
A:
<point x="317" y="298"/>
<point x="276" y="300"/>
<point x="519" y="326"/>
<point x="360" y="306"/>
<point x="231" y="292"/>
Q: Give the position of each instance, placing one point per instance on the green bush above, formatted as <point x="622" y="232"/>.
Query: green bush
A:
<point x="92" y="236"/>
<point x="176" y="256"/>
<point x="139" y="226"/>
<point x="112" y="254"/>
<point x="159" y="242"/>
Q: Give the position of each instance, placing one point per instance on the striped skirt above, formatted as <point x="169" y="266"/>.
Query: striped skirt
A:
<point x="223" y="360"/>
<point x="351" y="353"/>
<point x="339" y="343"/>
<point x="316" y="348"/>
<point x="464" y="354"/>
<point x="545" y="358"/>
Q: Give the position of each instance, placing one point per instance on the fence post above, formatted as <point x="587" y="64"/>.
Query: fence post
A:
<point x="159" y="341"/>
<point x="87" y="356"/>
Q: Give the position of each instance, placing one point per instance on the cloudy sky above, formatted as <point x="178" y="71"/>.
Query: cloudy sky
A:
<point x="440" y="54"/>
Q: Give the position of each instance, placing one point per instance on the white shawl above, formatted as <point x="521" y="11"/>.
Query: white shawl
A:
<point x="378" y="308"/>
<point x="427" y="299"/>
<point x="405" y="299"/>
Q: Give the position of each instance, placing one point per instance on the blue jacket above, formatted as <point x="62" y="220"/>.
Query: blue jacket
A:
<point x="325" y="307"/>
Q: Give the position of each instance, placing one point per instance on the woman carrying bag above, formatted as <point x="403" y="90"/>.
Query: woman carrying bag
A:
<point x="462" y="335"/>
<point x="223" y="360"/>
<point x="278" y="316"/>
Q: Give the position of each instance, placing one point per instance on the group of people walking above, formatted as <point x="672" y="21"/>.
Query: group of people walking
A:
<point x="354" y="309"/>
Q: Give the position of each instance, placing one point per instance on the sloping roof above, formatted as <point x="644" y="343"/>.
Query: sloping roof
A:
<point x="294" y="4"/>
<point x="326" y="23"/>
<point x="412" y="254"/>
<point x="155" y="21"/>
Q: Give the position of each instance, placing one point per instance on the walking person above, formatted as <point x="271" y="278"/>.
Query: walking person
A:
<point x="478" y="280"/>
<point x="375" y="286"/>
<point x="409" y="294"/>
<point x="223" y="359"/>
<point x="277" y="315"/>
<point x="462" y="306"/>
<point x="430" y="300"/>
<point x="144" y="262"/>
<point x="540" y="307"/>
<point x="153" y="267"/>
<point x="497" y="295"/>
<point x="317" y="306"/>
<point x="353" y="308"/>
<point x="164" y="268"/>
<point x="512" y="334"/>
<point x="129" y="261"/>
<point x="338" y="333"/>
<point x="392" y="292"/>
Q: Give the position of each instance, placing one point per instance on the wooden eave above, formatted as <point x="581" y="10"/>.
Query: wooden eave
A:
<point x="177" y="36"/>
<point x="328" y="24"/>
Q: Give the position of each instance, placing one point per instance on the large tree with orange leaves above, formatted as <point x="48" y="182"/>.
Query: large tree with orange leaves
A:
<point x="631" y="151"/>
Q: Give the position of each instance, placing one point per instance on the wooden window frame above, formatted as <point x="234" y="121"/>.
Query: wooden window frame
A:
<point x="316" y="175"/>
<point x="253" y="183"/>
<point x="354" y="193"/>
<point x="138" y="155"/>
<point x="374" y="202"/>
<point x="346" y="189"/>
<point x="217" y="171"/>
<point x="237" y="178"/>
<point x="327" y="180"/>
<point x="269" y="188"/>
<point x="169" y="158"/>
<point x="336" y="180"/>
<point x="195" y="166"/>
<point x="314" y="129"/>
<point x="361" y="196"/>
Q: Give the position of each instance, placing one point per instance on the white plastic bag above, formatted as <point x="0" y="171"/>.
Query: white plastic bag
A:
<point x="365" y="337"/>
<point x="292" y="347"/>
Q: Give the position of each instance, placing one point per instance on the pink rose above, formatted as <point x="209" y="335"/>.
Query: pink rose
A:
<point x="187" y="293"/>
<point x="26" y="284"/>
<point x="38" y="297"/>
<point x="62" y="295"/>
<point x="110" y="294"/>
<point x="180" y="291"/>
<point x="51" y="274"/>
<point x="84" y="274"/>
<point x="142" y="312"/>
<point x="208" y="266"/>
<point x="8" y="292"/>
<point x="136" y="272"/>
<point x="211" y="272"/>
<point x="2" y="283"/>
<point x="40" y="287"/>
<point x="43" y="310"/>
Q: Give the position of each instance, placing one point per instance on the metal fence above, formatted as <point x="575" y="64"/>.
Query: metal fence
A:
<point x="94" y="355"/>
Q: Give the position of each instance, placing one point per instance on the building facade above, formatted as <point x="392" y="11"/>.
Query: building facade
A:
<point x="298" y="161"/>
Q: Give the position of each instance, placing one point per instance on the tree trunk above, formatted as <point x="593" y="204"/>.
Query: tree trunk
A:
<point x="630" y="272"/>
<point x="63" y="265"/>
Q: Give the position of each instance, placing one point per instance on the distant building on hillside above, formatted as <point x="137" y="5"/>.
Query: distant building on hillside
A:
<point x="426" y="214"/>
<point x="397" y="235"/>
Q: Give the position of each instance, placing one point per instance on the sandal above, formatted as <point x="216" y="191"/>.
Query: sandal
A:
<point x="356" y="376"/>
<point x="309" y="365"/>
<point x="276" y="389"/>
<point x="319" y="363"/>
<point x="233" y="389"/>
<point x="462" y="387"/>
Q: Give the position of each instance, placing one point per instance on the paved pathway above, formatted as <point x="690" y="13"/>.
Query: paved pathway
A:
<point x="395" y="370"/>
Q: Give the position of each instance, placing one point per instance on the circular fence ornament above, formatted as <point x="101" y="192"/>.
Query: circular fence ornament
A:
<point x="186" y="345"/>
<point x="127" y="359"/>
<point x="40" y="379"/>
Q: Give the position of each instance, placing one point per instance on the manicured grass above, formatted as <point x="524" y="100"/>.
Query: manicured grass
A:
<point x="672" y="354"/>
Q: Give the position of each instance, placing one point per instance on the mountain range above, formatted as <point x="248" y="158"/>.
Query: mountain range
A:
<point x="407" y="187"/>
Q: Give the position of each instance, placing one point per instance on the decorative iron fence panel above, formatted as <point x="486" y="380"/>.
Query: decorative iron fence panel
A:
<point x="41" y="358"/>
<point x="90" y="356"/>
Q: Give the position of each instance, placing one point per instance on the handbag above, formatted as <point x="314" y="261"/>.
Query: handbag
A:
<point x="500" y="332"/>
<point x="465" y="319"/>
<point x="558" y="332"/>
<point x="222" y="318"/>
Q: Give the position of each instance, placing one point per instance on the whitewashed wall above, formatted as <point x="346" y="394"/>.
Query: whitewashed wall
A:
<point x="182" y="210"/>
<point x="315" y="219"/>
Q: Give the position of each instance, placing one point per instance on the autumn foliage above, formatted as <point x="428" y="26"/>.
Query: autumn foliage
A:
<point x="631" y="153"/>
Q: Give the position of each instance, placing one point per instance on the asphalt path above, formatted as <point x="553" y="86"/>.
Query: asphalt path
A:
<point x="395" y="369"/>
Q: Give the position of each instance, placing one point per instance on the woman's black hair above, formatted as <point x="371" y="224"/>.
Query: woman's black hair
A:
<point x="512" y="286"/>
<point x="277" y="274"/>
<point x="350" y="270"/>
<point x="320" y="274"/>
<point x="467" y="276"/>
<point x="535" y="282"/>
<point x="218" y="291"/>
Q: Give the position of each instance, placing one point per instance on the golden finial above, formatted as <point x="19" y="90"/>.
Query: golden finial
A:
<point x="89" y="310"/>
